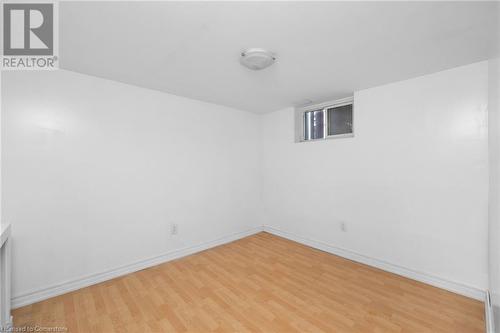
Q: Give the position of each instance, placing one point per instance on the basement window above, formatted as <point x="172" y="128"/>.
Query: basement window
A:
<point x="314" y="125"/>
<point x="325" y="121"/>
<point x="339" y="120"/>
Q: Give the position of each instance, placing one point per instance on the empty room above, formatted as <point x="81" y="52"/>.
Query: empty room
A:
<point x="250" y="166"/>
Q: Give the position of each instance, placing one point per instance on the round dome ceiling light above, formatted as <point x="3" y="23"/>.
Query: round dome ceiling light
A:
<point x="257" y="59"/>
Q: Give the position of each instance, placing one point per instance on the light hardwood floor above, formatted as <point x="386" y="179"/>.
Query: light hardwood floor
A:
<point x="261" y="283"/>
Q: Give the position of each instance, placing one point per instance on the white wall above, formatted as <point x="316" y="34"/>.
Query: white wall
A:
<point x="494" y="197"/>
<point x="95" y="172"/>
<point x="411" y="186"/>
<point x="1" y="220"/>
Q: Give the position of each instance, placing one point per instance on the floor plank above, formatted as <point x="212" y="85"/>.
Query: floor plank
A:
<point x="262" y="283"/>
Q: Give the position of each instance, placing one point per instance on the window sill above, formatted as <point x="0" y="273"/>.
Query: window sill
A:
<point x="329" y="137"/>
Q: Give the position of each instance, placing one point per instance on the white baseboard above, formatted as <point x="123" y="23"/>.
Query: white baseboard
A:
<point x="452" y="286"/>
<point x="488" y="314"/>
<point x="82" y="282"/>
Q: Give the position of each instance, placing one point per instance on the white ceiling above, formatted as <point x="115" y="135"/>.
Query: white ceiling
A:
<point x="325" y="50"/>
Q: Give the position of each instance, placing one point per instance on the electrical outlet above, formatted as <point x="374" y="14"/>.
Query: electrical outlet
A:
<point x="174" y="229"/>
<point x="343" y="226"/>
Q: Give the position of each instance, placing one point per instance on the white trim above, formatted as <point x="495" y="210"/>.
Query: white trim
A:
<point x="82" y="282"/>
<point x="4" y="233"/>
<point x="488" y="314"/>
<point x="452" y="286"/>
<point x="328" y="104"/>
<point x="329" y="137"/>
<point x="5" y="276"/>
<point x="41" y="294"/>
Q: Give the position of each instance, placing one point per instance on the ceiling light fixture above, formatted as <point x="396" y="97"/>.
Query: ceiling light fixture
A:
<point x="257" y="59"/>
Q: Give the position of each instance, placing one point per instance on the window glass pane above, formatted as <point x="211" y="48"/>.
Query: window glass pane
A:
<point x="340" y="120"/>
<point x="314" y="125"/>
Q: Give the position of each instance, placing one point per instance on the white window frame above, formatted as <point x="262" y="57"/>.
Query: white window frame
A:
<point x="300" y="123"/>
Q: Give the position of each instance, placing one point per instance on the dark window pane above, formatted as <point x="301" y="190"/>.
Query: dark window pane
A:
<point x="314" y="125"/>
<point x="340" y="120"/>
